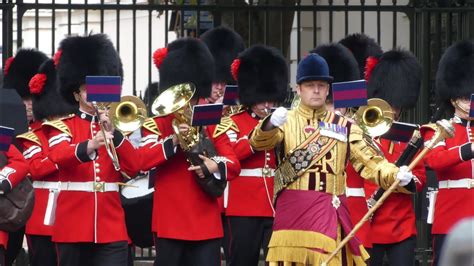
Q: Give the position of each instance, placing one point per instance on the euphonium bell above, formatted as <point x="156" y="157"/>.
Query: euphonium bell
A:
<point x="129" y="114"/>
<point x="175" y="100"/>
<point x="376" y="118"/>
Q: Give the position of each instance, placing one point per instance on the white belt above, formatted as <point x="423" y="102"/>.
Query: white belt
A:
<point x="461" y="183"/>
<point x="355" y="192"/>
<point x="255" y="172"/>
<point x="46" y="184"/>
<point x="78" y="186"/>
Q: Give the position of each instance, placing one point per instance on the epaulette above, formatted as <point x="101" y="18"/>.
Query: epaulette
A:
<point x="431" y="126"/>
<point x="30" y="136"/>
<point x="151" y="125"/>
<point x="59" y="125"/>
<point x="226" y="124"/>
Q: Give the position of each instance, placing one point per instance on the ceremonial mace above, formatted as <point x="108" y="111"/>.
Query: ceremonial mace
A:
<point x="444" y="130"/>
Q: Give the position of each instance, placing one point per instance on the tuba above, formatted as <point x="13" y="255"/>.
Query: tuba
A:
<point x="376" y="118"/>
<point x="176" y="100"/>
<point x="129" y="114"/>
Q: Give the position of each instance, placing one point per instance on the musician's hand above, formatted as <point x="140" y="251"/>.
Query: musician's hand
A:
<point x="104" y="117"/>
<point x="99" y="140"/>
<point x="212" y="166"/>
<point x="183" y="128"/>
<point x="404" y="175"/>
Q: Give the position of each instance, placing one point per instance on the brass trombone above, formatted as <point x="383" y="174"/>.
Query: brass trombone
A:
<point x="129" y="114"/>
<point x="376" y="118"/>
<point x="109" y="146"/>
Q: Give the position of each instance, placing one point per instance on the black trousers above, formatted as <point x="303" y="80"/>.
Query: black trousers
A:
<point x="226" y="238"/>
<point x="91" y="254"/>
<point x="173" y="252"/>
<point x="247" y="236"/>
<point x="401" y="253"/>
<point x="15" y="244"/>
<point x="42" y="251"/>
<point x="438" y="241"/>
<point x="2" y="256"/>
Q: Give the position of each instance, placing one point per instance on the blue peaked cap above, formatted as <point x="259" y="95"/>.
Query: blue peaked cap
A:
<point x="313" y="67"/>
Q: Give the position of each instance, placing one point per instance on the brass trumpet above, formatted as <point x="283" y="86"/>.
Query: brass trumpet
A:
<point x="129" y="114"/>
<point x="376" y="118"/>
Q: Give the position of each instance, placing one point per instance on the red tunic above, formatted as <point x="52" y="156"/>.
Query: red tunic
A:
<point x="35" y="151"/>
<point x="358" y="206"/>
<point x="181" y="209"/>
<point x="452" y="160"/>
<point x="250" y="194"/>
<point x="15" y="170"/>
<point x="88" y="216"/>
<point x="395" y="221"/>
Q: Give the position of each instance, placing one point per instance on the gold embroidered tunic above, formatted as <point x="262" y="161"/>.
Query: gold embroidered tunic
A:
<point x="326" y="174"/>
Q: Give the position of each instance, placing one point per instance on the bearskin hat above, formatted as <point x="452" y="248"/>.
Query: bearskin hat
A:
<point x="19" y="69"/>
<point x="225" y="45"/>
<point x="396" y="78"/>
<point x="47" y="102"/>
<point x="82" y="56"/>
<point x="361" y="46"/>
<point x="342" y="64"/>
<point x="186" y="60"/>
<point x="455" y="76"/>
<point x="262" y="75"/>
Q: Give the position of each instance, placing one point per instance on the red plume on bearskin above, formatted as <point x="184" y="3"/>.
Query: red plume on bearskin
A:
<point x="369" y="66"/>
<point x="37" y="83"/>
<point x="159" y="55"/>
<point x="8" y="64"/>
<point x="234" y="68"/>
<point x="57" y="57"/>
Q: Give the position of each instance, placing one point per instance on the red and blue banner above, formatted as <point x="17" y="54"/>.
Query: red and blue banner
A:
<point x="207" y="114"/>
<point x="349" y="94"/>
<point x="6" y="137"/>
<point x="103" y="88"/>
<point x="400" y="132"/>
<point x="231" y="95"/>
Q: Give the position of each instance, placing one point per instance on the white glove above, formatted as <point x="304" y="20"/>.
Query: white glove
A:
<point x="404" y="175"/>
<point x="279" y="116"/>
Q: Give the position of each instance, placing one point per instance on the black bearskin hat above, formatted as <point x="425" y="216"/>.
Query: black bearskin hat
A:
<point x="47" y="102"/>
<point x="225" y="45"/>
<point x="342" y="64"/>
<point x="361" y="46"/>
<point x="186" y="60"/>
<point x="262" y="75"/>
<point x="396" y="78"/>
<point x="455" y="76"/>
<point x="19" y="69"/>
<point x="82" y="56"/>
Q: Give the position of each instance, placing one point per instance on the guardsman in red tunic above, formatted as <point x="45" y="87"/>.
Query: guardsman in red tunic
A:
<point x="453" y="159"/>
<point x="186" y="220"/>
<point x="225" y="45"/>
<point x="13" y="168"/>
<point x="393" y="226"/>
<point x="250" y="208"/>
<point x="89" y="226"/>
<point x="48" y="105"/>
<point x="343" y="67"/>
<point x="18" y="71"/>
